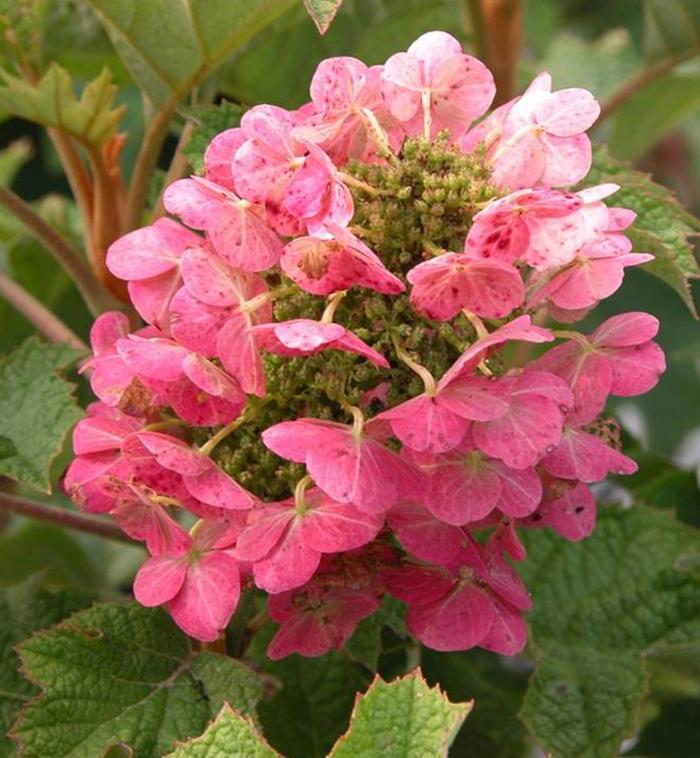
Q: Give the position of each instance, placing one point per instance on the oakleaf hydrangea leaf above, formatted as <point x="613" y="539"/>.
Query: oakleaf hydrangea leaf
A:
<point x="37" y="408"/>
<point x="52" y="103"/>
<point x="599" y="607"/>
<point x="404" y="718"/>
<point x="663" y="227"/>
<point x="170" y="47"/>
<point x="123" y="674"/>
<point x="312" y="702"/>
<point x="231" y="735"/>
<point x="25" y="608"/>
<point x="322" y="12"/>
<point x="210" y="120"/>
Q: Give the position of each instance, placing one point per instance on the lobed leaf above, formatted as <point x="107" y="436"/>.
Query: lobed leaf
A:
<point x="38" y="410"/>
<point x="401" y="719"/>
<point x="229" y="736"/>
<point x="663" y="227"/>
<point x="322" y="12"/>
<point x="25" y="608"/>
<point x="171" y="47"/>
<point x="123" y="675"/>
<point x="601" y="607"/>
<point x="52" y="102"/>
<point x="671" y="27"/>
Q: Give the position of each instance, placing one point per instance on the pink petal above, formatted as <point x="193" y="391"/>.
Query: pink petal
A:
<point x="462" y="488"/>
<point x="238" y="350"/>
<point x="208" y="597"/>
<point x="508" y="635"/>
<point x="425" y="423"/>
<point x="457" y="621"/>
<point x="521" y="437"/>
<point x="290" y="564"/>
<point x="106" y="330"/>
<point x="583" y="456"/>
<point x="196" y="325"/>
<point x="444" y="286"/>
<point x="635" y="369"/>
<point x="218" y="157"/>
<point x="266" y="526"/>
<point x="152" y="297"/>
<point x="573" y="515"/>
<point x="198" y="408"/>
<point x="155" y="357"/>
<point x="174" y="454"/>
<point x="159" y="579"/>
<point x="216" y="488"/>
<point x="150" y="251"/>
<point x="332" y="527"/>
<point x="422" y="534"/>
<point x="626" y="330"/>
<point x="568" y="112"/>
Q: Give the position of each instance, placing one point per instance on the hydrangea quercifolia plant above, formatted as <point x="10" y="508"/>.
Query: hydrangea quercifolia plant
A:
<point x="327" y="380"/>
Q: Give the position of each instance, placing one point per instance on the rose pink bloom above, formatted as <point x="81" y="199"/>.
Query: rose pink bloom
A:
<point x="109" y="374"/>
<point x="284" y="541"/>
<point x="236" y="228"/>
<point x="324" y="266"/>
<point x="427" y="537"/>
<point x="596" y="273"/>
<point x="198" y="390"/>
<point x="149" y="259"/>
<point x="543" y="228"/>
<point x="97" y="444"/>
<point x="218" y="157"/>
<point x="619" y="358"/>
<point x="437" y="420"/>
<point x="573" y="515"/>
<point x="466" y="486"/>
<point x="292" y="177"/>
<point x="586" y="457"/>
<point x="472" y="601"/>
<point x="200" y="584"/>
<point x="225" y="303"/>
<point x="302" y="336"/>
<point x="348" y="465"/>
<point x="140" y="513"/>
<point x="342" y="91"/>
<point x="447" y="284"/>
<point x="201" y="477"/>
<point x="539" y="138"/>
<point x="313" y="620"/>
<point x="532" y="426"/>
<point x="434" y="75"/>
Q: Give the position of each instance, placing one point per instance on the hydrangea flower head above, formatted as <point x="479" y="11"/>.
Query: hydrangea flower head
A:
<point x="345" y="377"/>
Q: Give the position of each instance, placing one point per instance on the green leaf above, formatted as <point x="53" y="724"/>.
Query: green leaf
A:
<point x="322" y="12"/>
<point x="231" y="735"/>
<point x="171" y="47"/>
<point x="37" y="408"/>
<point x="210" y="120"/>
<point x="671" y="27"/>
<point x="48" y="551"/>
<point x="662" y="227"/>
<point x="123" y="674"/>
<point x="492" y="729"/>
<point x="312" y="702"/>
<point x="401" y="719"/>
<point x="365" y="645"/>
<point x="653" y="112"/>
<point x="25" y="608"/>
<point x="675" y="733"/>
<point x="600" y="607"/>
<point x="52" y="102"/>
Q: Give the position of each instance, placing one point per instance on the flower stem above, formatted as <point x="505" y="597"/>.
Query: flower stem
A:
<point x="428" y="379"/>
<point x="642" y="78"/>
<point x="333" y="302"/>
<point x="95" y="295"/>
<point x="46" y="323"/>
<point x="62" y="517"/>
<point x="146" y="162"/>
<point x="351" y="181"/>
<point x="248" y="415"/>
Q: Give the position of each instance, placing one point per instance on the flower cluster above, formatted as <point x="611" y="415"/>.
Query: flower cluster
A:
<point x="342" y="376"/>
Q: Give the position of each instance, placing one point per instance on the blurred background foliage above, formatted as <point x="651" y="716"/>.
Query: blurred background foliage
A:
<point x="641" y="58"/>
